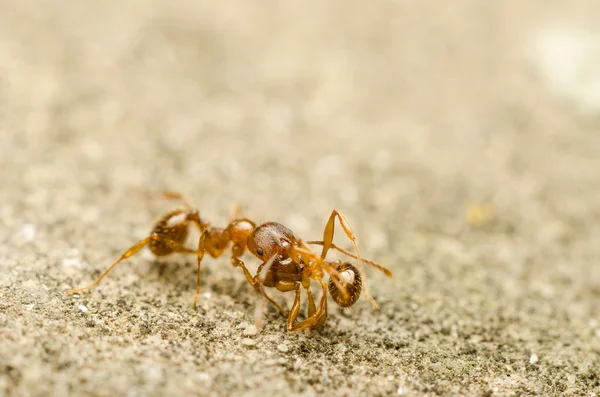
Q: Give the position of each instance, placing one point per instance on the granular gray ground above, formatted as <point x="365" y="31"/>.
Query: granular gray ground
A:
<point x="461" y="140"/>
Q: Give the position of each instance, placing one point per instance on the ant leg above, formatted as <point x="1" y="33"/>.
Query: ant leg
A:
<point x="261" y="290"/>
<point x="255" y="283"/>
<point x="294" y="312"/>
<point x="259" y="279"/>
<point x="307" y="255"/>
<point x="343" y="251"/>
<point x="172" y="244"/>
<point x="312" y="308"/>
<point x="320" y="319"/>
<point x="260" y="307"/>
<point x="200" y="253"/>
<point x="328" y="241"/>
<point x="193" y="214"/>
<point x="236" y="252"/>
<point x="169" y="195"/>
<point x="130" y="252"/>
<point x="316" y="320"/>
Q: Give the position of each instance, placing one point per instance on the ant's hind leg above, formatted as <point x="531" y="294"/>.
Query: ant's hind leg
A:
<point x="172" y="245"/>
<point x="130" y="252"/>
<point x="259" y="287"/>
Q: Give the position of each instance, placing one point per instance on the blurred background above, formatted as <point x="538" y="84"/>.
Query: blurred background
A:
<point x="461" y="141"/>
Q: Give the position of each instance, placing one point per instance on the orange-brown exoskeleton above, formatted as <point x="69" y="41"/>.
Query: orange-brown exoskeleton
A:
<point x="289" y="263"/>
<point x="170" y="232"/>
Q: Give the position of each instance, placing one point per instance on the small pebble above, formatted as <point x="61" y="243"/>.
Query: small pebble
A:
<point x="28" y="231"/>
<point x="248" y="342"/>
<point x="207" y="295"/>
<point x="250" y="330"/>
<point x="533" y="359"/>
<point x="71" y="262"/>
<point x="283" y="348"/>
<point x="400" y="391"/>
<point x="83" y="308"/>
<point x="72" y="258"/>
<point x="30" y="307"/>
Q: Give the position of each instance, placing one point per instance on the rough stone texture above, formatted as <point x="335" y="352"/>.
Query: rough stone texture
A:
<point x="460" y="139"/>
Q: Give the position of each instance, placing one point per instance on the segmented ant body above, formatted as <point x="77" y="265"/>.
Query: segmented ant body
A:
<point x="288" y="262"/>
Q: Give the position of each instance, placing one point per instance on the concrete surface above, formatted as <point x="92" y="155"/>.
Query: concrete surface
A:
<point x="461" y="140"/>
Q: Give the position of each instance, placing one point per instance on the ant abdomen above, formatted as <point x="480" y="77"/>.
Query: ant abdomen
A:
<point x="349" y="279"/>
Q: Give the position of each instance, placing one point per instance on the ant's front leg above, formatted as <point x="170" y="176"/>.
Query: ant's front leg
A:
<point x="312" y="310"/>
<point x="236" y="252"/>
<point x="261" y="290"/>
<point x="255" y="282"/>
<point x="313" y="322"/>
<point x="259" y="279"/>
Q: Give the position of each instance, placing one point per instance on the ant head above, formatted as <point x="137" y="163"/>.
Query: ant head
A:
<point x="349" y="279"/>
<point x="270" y="238"/>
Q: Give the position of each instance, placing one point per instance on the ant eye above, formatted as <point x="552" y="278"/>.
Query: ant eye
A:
<point x="259" y="251"/>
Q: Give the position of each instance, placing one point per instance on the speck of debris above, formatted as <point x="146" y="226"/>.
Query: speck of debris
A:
<point x="72" y="258"/>
<point x="71" y="262"/>
<point x="275" y="361"/>
<point x="248" y="342"/>
<point x="207" y="295"/>
<point x="400" y="390"/>
<point x="250" y="330"/>
<point x="533" y="359"/>
<point x="29" y="231"/>
<point x="83" y="308"/>
<point x="30" y="307"/>
<point x="283" y="348"/>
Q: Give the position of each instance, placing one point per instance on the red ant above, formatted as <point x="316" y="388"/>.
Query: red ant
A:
<point x="288" y="261"/>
